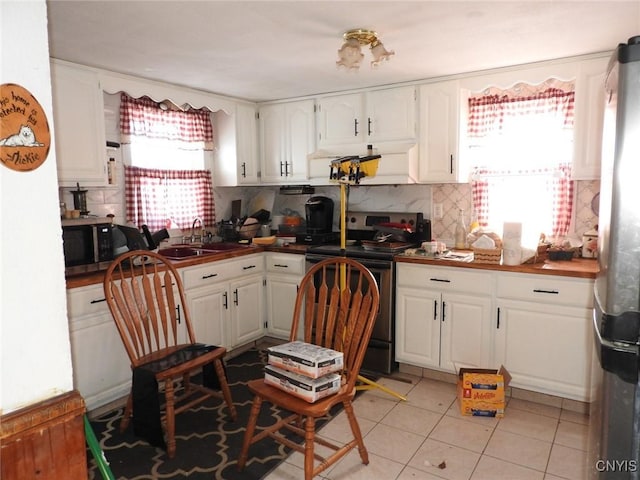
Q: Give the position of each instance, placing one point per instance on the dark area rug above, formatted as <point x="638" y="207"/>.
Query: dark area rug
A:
<point x="208" y="442"/>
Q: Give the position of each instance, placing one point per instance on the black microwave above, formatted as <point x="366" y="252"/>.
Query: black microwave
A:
<point x="88" y="244"/>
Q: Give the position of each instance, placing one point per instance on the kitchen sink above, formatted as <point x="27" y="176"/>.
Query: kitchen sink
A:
<point x="183" y="252"/>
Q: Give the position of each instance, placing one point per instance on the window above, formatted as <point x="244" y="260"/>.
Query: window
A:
<point x="521" y="149"/>
<point x="167" y="183"/>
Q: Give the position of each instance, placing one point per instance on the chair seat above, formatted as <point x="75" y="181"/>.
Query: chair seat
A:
<point x="290" y="402"/>
<point x="172" y="361"/>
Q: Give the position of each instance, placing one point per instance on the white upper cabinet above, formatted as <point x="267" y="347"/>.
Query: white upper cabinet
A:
<point x="340" y="120"/>
<point x="391" y="115"/>
<point x="589" y="115"/>
<point x="356" y="119"/>
<point x="236" y="161"/>
<point x="440" y="111"/>
<point x="287" y="137"/>
<point x="78" y="113"/>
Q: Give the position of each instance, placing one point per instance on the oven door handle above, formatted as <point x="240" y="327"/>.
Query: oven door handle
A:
<point x="371" y="264"/>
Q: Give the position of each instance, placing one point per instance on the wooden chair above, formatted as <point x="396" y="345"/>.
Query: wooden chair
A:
<point x="145" y="295"/>
<point x="337" y="318"/>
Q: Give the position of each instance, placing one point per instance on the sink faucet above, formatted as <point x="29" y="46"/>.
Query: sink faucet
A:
<point x="193" y="228"/>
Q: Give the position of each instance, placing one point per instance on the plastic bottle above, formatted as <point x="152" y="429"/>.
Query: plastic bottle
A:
<point x="474" y="222"/>
<point x="461" y="231"/>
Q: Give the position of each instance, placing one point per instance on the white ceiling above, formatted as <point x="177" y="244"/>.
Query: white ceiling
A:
<point x="267" y="50"/>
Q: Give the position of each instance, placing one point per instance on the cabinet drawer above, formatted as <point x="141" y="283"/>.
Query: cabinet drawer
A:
<point x="445" y="279"/>
<point x="285" y="263"/>
<point x="249" y="265"/>
<point x="545" y="288"/>
<point x="206" y="274"/>
<point x="86" y="301"/>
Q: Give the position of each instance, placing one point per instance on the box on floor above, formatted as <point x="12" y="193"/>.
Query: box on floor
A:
<point x="481" y="392"/>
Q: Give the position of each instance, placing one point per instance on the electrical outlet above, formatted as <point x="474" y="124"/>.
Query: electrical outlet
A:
<point x="437" y="211"/>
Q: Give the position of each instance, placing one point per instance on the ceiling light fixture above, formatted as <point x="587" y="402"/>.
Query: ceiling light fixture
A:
<point x="351" y="52"/>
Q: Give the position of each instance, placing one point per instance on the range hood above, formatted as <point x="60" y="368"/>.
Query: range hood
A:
<point x="297" y="190"/>
<point x="398" y="164"/>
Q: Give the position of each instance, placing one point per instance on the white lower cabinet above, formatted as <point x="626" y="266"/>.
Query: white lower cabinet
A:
<point x="443" y="317"/>
<point x="284" y="273"/>
<point x="101" y="367"/>
<point x="537" y="326"/>
<point x="208" y="307"/>
<point x="543" y="333"/>
<point x="247" y="310"/>
<point x="226" y="300"/>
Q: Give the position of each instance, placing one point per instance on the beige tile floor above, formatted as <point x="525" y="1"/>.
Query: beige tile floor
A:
<point x="410" y="439"/>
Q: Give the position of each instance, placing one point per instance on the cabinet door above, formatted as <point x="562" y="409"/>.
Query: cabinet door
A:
<point x="281" y="298"/>
<point x="246" y="144"/>
<point x="101" y="367"/>
<point x="78" y="113"/>
<point x="547" y="348"/>
<point x="209" y="310"/>
<point x="589" y="116"/>
<point x="273" y="124"/>
<point x="301" y="139"/>
<point x="340" y="120"/>
<point x="418" y="327"/>
<point x="391" y="115"/>
<point x="247" y="310"/>
<point x="439" y="118"/>
<point x="465" y="332"/>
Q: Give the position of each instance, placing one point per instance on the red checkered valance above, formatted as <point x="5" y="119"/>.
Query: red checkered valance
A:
<point x="144" y="117"/>
<point x="489" y="113"/>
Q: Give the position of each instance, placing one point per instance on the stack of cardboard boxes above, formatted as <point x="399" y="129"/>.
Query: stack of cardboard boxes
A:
<point x="307" y="371"/>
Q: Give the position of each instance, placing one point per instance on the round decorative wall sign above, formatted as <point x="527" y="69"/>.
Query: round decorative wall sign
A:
<point x="24" y="131"/>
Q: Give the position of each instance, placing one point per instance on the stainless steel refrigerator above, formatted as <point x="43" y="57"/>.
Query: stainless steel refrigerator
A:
<point x="614" y="443"/>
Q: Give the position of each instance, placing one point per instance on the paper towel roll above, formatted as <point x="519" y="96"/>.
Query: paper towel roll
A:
<point x="511" y="243"/>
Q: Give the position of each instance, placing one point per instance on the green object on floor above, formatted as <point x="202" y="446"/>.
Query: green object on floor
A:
<point x="96" y="451"/>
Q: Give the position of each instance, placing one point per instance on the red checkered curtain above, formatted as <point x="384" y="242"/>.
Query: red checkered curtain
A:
<point x="164" y="198"/>
<point x="176" y="192"/>
<point x="523" y="136"/>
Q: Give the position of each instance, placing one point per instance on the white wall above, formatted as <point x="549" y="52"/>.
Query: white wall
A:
<point x="35" y="360"/>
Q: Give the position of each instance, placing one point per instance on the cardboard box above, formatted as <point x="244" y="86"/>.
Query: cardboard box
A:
<point x="309" y="389"/>
<point x="481" y="391"/>
<point x="305" y="359"/>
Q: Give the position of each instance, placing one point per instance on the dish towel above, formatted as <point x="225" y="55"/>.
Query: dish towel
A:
<point x="146" y="400"/>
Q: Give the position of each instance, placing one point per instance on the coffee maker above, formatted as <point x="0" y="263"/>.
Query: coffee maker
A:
<point x="319" y="216"/>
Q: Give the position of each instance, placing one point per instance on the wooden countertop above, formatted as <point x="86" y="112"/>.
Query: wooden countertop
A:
<point x="577" y="267"/>
<point x="82" y="280"/>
